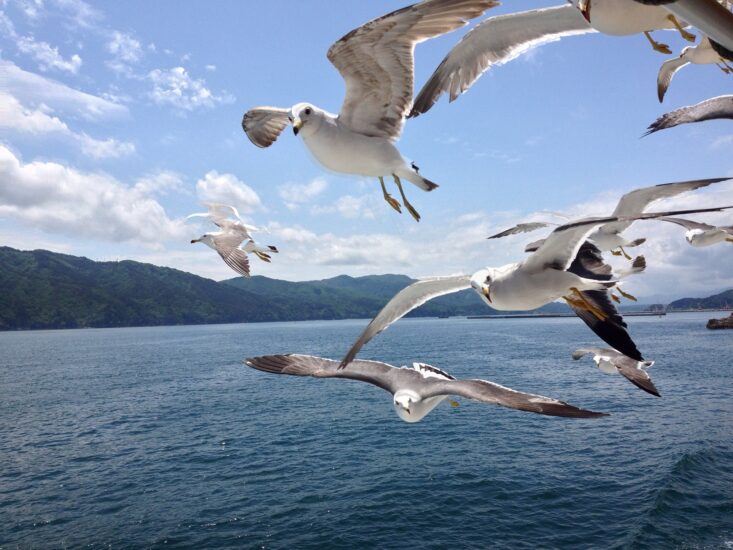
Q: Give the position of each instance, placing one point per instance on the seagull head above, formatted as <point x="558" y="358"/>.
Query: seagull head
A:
<point x="481" y="283"/>
<point x="303" y="114"/>
<point x="404" y="401"/>
<point x="206" y="238"/>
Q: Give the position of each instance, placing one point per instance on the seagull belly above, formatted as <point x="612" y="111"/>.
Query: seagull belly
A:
<point x="624" y="17"/>
<point x="707" y="238"/>
<point x="420" y="409"/>
<point x="522" y="292"/>
<point x="346" y="152"/>
<point x="605" y="366"/>
<point x="607" y="241"/>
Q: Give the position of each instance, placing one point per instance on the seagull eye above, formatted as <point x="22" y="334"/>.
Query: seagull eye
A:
<point x="307" y="110"/>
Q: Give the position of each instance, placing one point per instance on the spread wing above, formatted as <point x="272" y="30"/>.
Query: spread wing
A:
<point x="227" y="245"/>
<point x="689" y="224"/>
<point x="626" y="366"/>
<point x="496" y="41"/>
<point x="376" y="61"/>
<point x="560" y="249"/>
<point x="520" y="228"/>
<point x="264" y="124"/>
<point x="379" y="374"/>
<point x="404" y="302"/>
<point x="635" y="202"/>
<point x="489" y="392"/>
<point x="717" y="107"/>
<point x="666" y="72"/>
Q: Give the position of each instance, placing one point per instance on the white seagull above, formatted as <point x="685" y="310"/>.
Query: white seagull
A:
<point x="564" y="267"/>
<point x="608" y="237"/>
<point x="702" y="234"/>
<point x="500" y="39"/>
<point x="376" y="61"/>
<point x="610" y="361"/>
<point x="226" y="243"/>
<point x="218" y="213"/>
<point x="710" y="109"/>
<point x="418" y="390"/>
<point x="702" y="54"/>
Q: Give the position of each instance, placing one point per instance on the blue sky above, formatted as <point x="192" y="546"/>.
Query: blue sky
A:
<point x="117" y="118"/>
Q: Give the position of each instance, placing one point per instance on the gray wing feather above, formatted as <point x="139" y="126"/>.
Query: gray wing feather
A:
<point x="710" y="109"/>
<point x="376" y="60"/>
<point x="263" y="125"/>
<point x="496" y="41"/>
<point x="405" y="301"/>
<point x="490" y="392"/>
<point x="520" y="228"/>
<point x="666" y="72"/>
<point x="376" y="373"/>
<point x="688" y="224"/>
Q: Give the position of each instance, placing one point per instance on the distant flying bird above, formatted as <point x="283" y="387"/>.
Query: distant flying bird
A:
<point x="702" y="54"/>
<point x="418" y="390"/>
<point x="564" y="267"/>
<point x="233" y="233"/>
<point x="710" y="109"/>
<point x="608" y="237"/>
<point x="610" y="361"/>
<point x="502" y="38"/>
<point x="702" y="234"/>
<point x="376" y="61"/>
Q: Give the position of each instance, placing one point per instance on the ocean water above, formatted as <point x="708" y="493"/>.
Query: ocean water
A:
<point x="153" y="437"/>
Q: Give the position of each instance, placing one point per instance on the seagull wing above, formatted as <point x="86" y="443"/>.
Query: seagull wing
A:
<point x="377" y="373"/>
<point x="490" y="392"/>
<point x="582" y="352"/>
<point x="666" y="72"/>
<point x="376" y="61"/>
<point x="560" y="249"/>
<point x="688" y="224"/>
<point x="520" y="228"/>
<point x="263" y="125"/>
<point x="717" y="107"/>
<point x="496" y="41"/>
<point x="405" y="301"/>
<point x="633" y="372"/>
<point x="534" y="245"/>
<point x="635" y="202"/>
<point x="227" y="245"/>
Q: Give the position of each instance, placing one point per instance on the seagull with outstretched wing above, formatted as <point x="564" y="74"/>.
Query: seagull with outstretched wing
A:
<point x="703" y="234"/>
<point x="720" y="107"/>
<point x="418" y="390"/>
<point x="377" y="62"/>
<point x="610" y="361"/>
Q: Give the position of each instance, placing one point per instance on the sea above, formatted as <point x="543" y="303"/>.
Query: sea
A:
<point x="161" y="437"/>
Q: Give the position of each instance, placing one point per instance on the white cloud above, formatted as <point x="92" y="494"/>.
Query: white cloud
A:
<point x="210" y="68"/>
<point x="160" y="183"/>
<point x="47" y="56"/>
<point x="20" y="119"/>
<point x="61" y="199"/>
<point x="351" y="207"/>
<point x="227" y="189"/>
<point x="176" y="88"/>
<point x="126" y="51"/>
<point x="296" y="194"/>
<point x="723" y="141"/>
<point x="79" y="12"/>
<point x="36" y="90"/>
<point x="6" y="26"/>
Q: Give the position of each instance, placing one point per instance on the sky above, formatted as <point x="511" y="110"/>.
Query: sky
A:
<point x="117" y="119"/>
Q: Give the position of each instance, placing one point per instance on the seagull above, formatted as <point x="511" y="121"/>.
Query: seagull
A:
<point x="702" y="54"/>
<point x="608" y="237"/>
<point x="376" y="61"/>
<point x="418" y="390"/>
<point x="218" y="213"/>
<point x="702" y="234"/>
<point x="610" y="361"/>
<point x="500" y="39"/>
<point x="716" y="107"/>
<point x="564" y="267"/>
<point x="226" y="243"/>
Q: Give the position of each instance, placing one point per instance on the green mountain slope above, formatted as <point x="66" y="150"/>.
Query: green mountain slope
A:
<point x="722" y="300"/>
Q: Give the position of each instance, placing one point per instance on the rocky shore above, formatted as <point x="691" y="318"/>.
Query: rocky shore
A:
<point x="727" y="322"/>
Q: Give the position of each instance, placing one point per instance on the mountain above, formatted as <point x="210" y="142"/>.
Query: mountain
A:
<point x="42" y="289"/>
<point x="718" y="301"/>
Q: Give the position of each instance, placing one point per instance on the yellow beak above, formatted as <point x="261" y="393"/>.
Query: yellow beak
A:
<point x="297" y="125"/>
<point x="486" y="292"/>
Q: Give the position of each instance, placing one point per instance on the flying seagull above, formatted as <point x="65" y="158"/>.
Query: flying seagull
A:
<point x="710" y="109"/>
<point x="564" y="267"/>
<point x="500" y="39"/>
<point x="610" y="361"/>
<point x="218" y="213"/>
<point x="702" y="234"/>
<point x="608" y="237"/>
<point x="702" y="54"/>
<point x="418" y="390"/>
<point x="376" y="61"/>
